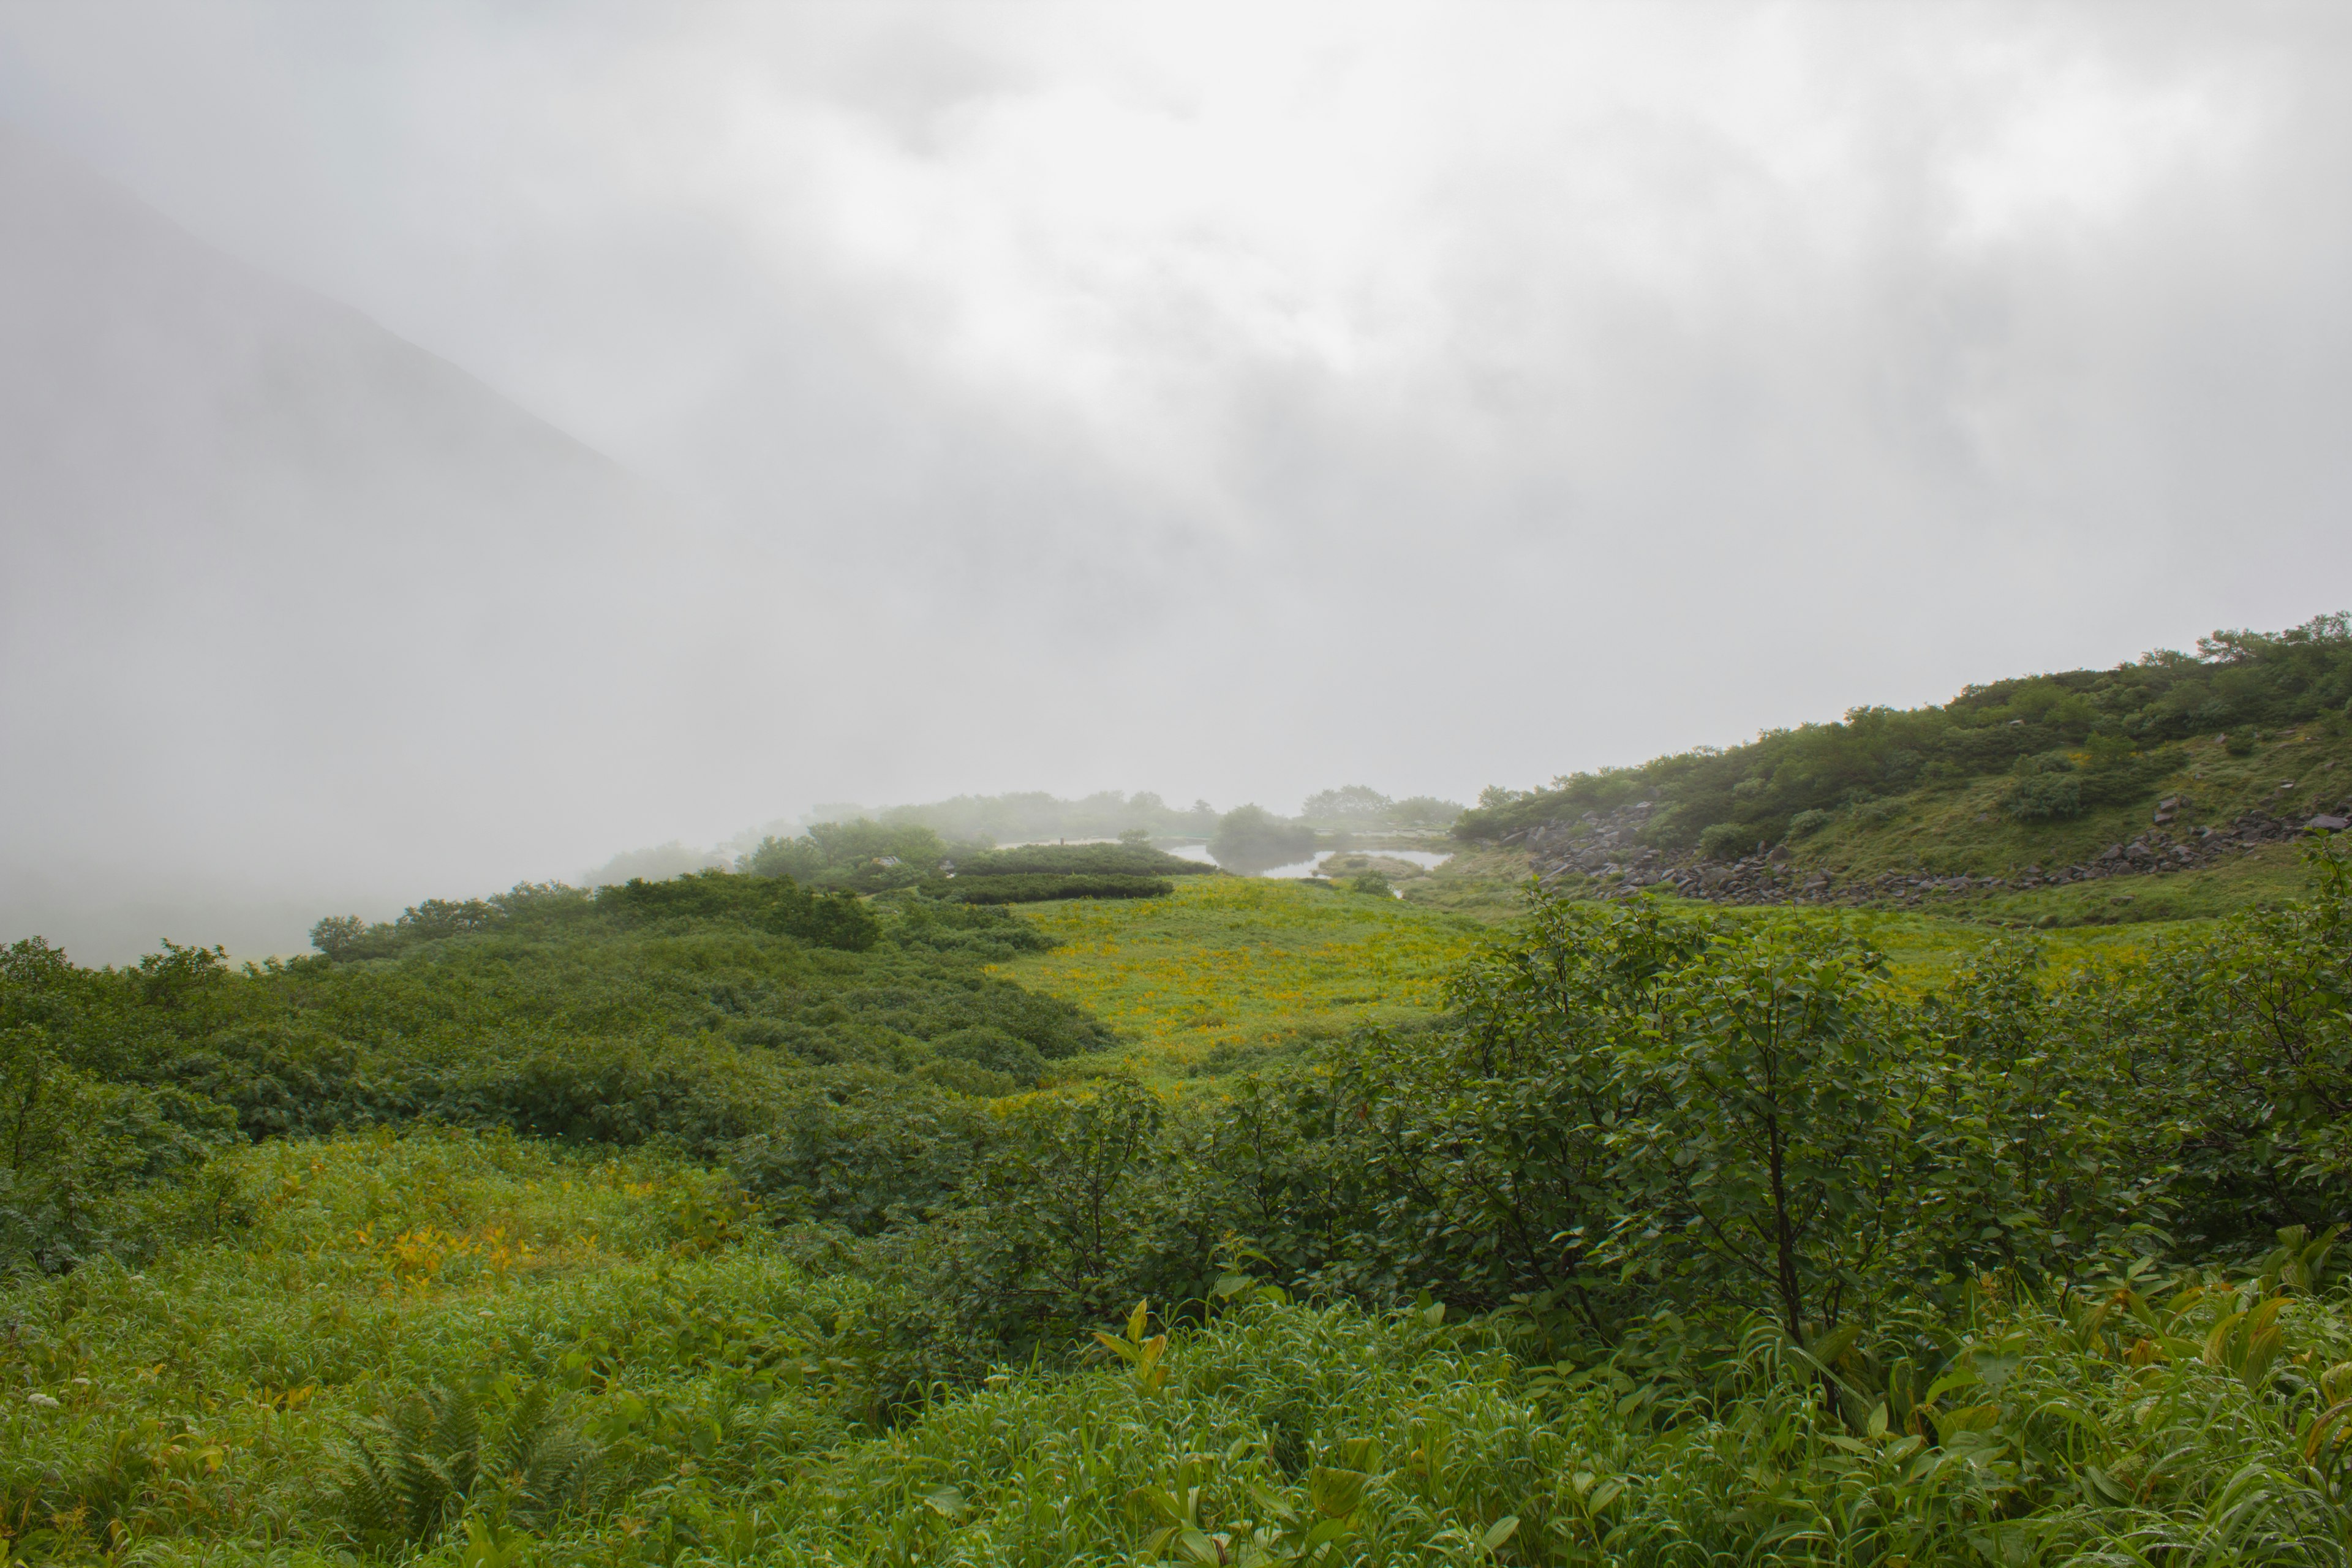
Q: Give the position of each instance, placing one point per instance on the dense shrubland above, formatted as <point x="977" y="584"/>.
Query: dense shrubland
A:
<point x="1675" y="1239"/>
<point x="691" y="1011"/>
<point x="2070" y="742"/>
<point x="1040" y="873"/>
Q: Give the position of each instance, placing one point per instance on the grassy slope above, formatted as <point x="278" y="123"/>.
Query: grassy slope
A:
<point x="206" y="1399"/>
<point x="198" y="1412"/>
<point x="1950" y="829"/>
<point x="1962" y="827"/>
<point x="1229" y="964"/>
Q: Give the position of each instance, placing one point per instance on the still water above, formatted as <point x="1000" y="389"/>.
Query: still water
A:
<point x="1428" y="859"/>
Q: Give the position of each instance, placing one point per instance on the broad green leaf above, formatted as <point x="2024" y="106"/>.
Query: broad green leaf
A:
<point x="1336" y="1492"/>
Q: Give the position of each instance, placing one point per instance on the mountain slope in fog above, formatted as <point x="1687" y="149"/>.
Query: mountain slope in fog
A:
<point x="239" y="523"/>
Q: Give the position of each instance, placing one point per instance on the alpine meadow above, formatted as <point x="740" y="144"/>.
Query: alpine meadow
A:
<point x="1175" y="784"/>
<point x="889" y="1198"/>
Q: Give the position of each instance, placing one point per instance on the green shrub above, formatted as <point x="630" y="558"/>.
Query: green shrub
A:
<point x="986" y="931"/>
<point x="1128" y="859"/>
<point x="1805" y="823"/>
<point x="994" y="1051"/>
<point x="1032" y="890"/>
<point x="2046" y="797"/>
<point x="1728" y="840"/>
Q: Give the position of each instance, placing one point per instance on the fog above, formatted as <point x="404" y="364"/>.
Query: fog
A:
<point x="446" y="445"/>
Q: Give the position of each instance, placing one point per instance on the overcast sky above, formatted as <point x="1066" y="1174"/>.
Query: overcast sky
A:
<point x="1239" y="401"/>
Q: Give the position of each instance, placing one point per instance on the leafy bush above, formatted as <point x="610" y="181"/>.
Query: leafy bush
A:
<point x="1727" y="841"/>
<point x="1018" y="888"/>
<point x="942" y="926"/>
<point x="993" y="1050"/>
<point x="836" y="919"/>
<point x="2046" y="797"/>
<point x="1079" y="859"/>
<point x="86" y="1166"/>
<point x="1805" y="823"/>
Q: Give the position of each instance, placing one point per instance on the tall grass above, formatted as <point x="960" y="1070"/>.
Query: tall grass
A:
<point x="213" y="1409"/>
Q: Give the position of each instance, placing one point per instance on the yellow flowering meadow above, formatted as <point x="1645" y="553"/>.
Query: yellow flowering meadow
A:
<point x="1238" y="961"/>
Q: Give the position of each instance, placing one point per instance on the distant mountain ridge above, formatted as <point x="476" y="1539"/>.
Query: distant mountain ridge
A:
<point x="248" y="536"/>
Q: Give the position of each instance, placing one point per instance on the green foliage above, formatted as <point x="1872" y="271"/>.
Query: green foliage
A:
<point x="770" y="902"/>
<point x="869" y="1153"/>
<point x="88" y="1166"/>
<point x="1727" y="841"/>
<point x="2234" y="680"/>
<point x="859" y="855"/>
<point x="1078" y="859"/>
<point x="412" y="1469"/>
<point x="1023" y="888"/>
<point x="978" y="930"/>
<point x="836" y="920"/>
<point x="2047" y="794"/>
<point x="690" y="1011"/>
<point x="1677" y="1238"/>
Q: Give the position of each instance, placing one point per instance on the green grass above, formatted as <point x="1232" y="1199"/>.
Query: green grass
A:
<point x="1954" y="828"/>
<point x="741" y="1386"/>
<point x="1229" y="966"/>
<point x="200" y="1411"/>
<point x="1234" y="964"/>
<point x="1482" y="881"/>
<point x="203" y="1403"/>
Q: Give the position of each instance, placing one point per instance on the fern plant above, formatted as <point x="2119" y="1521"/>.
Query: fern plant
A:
<point x="413" y="1470"/>
<point x="410" y="1470"/>
<point x="547" y="1467"/>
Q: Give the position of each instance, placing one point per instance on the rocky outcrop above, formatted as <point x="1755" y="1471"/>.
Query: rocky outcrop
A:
<point x="1608" y="848"/>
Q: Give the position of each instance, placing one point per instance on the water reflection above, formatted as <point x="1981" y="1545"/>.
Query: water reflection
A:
<point x="1427" y="859"/>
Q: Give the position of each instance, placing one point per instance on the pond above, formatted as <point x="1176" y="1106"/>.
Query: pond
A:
<point x="1427" y="859"/>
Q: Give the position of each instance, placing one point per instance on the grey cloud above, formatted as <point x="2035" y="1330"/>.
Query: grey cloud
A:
<point x="1544" y="396"/>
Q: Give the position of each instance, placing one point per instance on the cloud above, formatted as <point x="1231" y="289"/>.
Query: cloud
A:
<point x="1228" y="401"/>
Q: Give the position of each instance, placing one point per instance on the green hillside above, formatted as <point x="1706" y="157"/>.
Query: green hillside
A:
<point x="2167" y="787"/>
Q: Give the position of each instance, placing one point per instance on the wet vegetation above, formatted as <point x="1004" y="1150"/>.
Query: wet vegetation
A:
<point x="678" y="1225"/>
<point x="829" y="1211"/>
<point x="2040" y="750"/>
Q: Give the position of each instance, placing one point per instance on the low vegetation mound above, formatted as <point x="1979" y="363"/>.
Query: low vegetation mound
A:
<point x="1079" y="859"/>
<point x="1040" y="887"/>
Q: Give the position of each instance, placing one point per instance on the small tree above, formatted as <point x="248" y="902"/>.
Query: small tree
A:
<point x="1777" y="1151"/>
